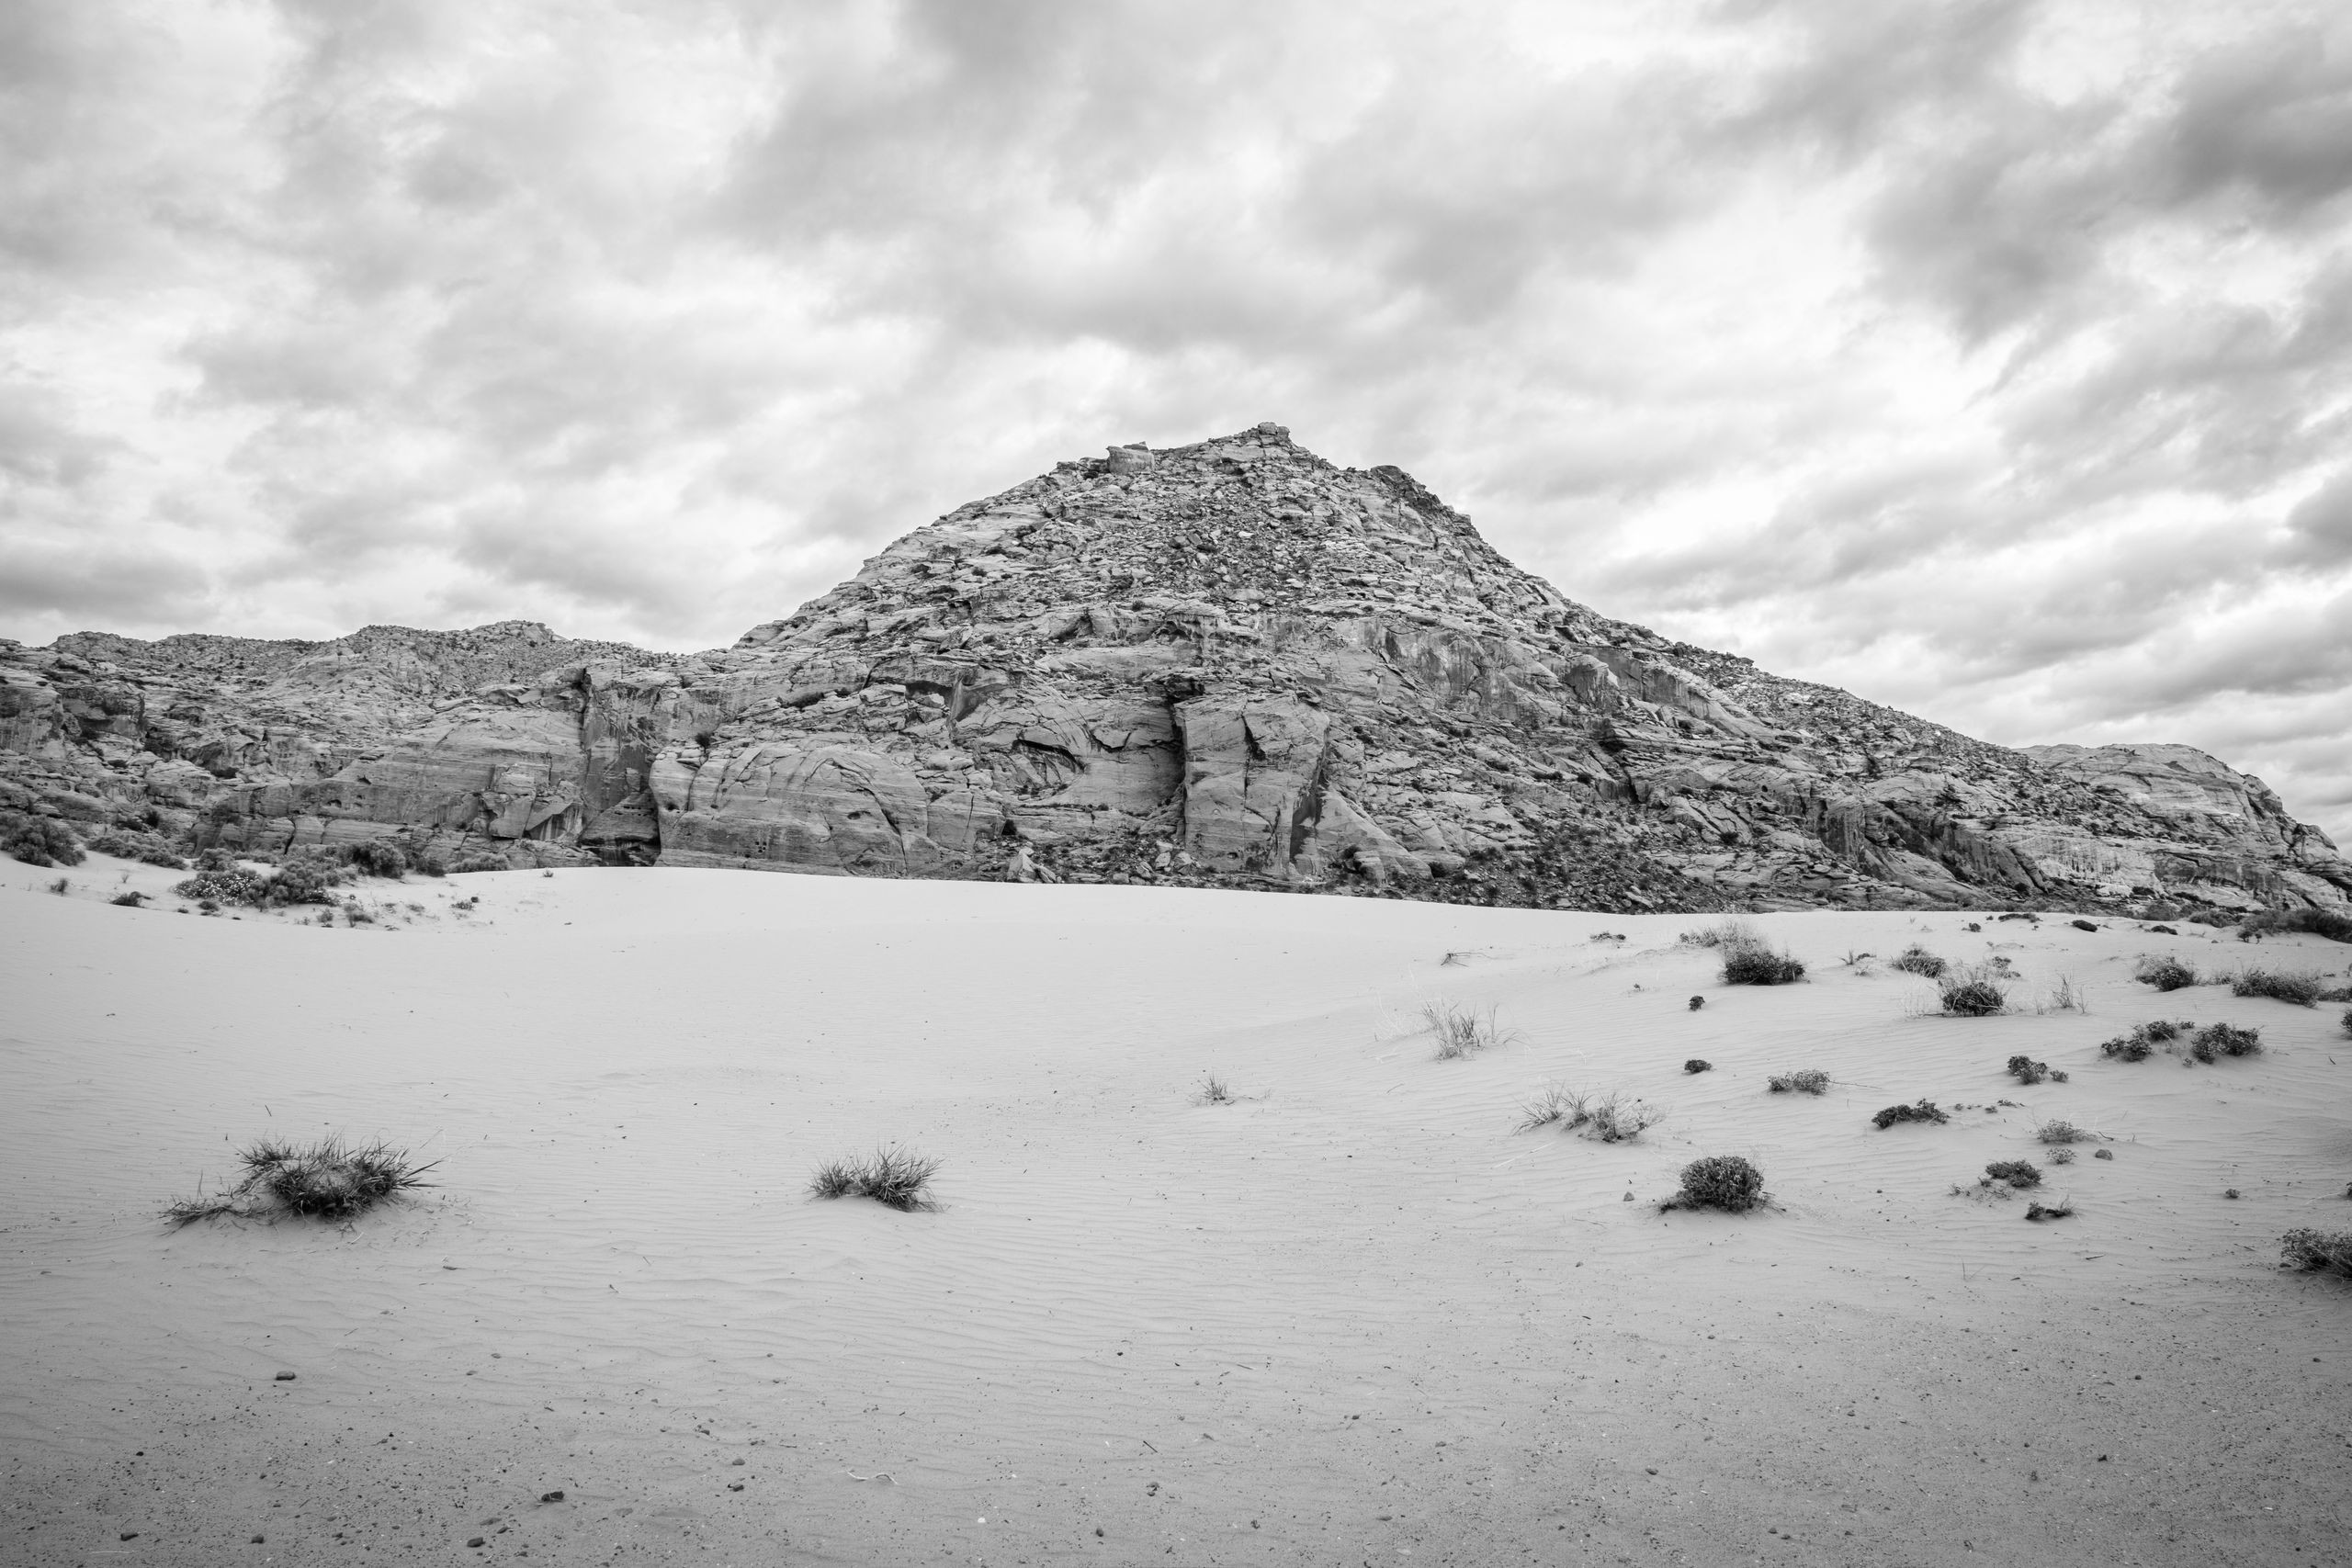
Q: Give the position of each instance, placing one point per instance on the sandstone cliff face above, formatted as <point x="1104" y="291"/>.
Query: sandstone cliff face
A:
<point x="1227" y="664"/>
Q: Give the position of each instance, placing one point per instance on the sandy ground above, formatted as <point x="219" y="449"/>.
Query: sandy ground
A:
<point x="1354" y="1317"/>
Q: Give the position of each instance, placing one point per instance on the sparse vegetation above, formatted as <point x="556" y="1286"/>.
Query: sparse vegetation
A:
<point x="2062" y="1155"/>
<point x="1759" y="966"/>
<point x="2165" y="974"/>
<point x="2333" y="924"/>
<point x="2039" y="1212"/>
<point x="131" y="900"/>
<point x="1917" y="960"/>
<point x="1973" y="992"/>
<point x="1804" y="1080"/>
<point x="148" y="849"/>
<point x="2065" y="997"/>
<point x="2059" y="1131"/>
<point x="2315" y="1249"/>
<point x="477" y="861"/>
<point x="1215" y="1091"/>
<point x="2143" y="1040"/>
<point x="377" y="858"/>
<point x="1617" y="1121"/>
<point x="2218" y="1040"/>
<point x="2301" y="986"/>
<point x="2016" y="1172"/>
<point x="1460" y="1030"/>
<point x="2026" y="1070"/>
<point x="893" y="1178"/>
<point x="328" y="1180"/>
<point x="1732" y="930"/>
<point x="1698" y="1065"/>
<point x="1921" y="1111"/>
<point x="1608" y="1118"/>
<point x="1720" y="1181"/>
<point x="1698" y="1002"/>
<point x="38" y="841"/>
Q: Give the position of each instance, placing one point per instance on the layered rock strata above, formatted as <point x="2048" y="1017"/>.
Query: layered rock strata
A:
<point x="1225" y="664"/>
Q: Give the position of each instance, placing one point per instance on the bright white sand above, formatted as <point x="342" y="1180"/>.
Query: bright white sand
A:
<point x="1357" y="1317"/>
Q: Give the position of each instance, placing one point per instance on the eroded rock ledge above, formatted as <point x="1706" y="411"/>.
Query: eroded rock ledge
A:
<point x="1226" y="664"/>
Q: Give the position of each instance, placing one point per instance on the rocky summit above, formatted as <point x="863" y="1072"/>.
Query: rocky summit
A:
<point x="1228" y="664"/>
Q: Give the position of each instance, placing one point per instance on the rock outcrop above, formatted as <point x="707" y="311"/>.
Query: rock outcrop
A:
<point x="1226" y="664"/>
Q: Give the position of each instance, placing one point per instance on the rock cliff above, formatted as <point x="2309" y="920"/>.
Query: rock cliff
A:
<point x="1225" y="664"/>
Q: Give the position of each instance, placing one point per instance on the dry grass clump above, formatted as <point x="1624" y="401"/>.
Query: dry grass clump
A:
<point x="327" y="1180"/>
<point x="1804" y="1080"/>
<point x="2301" y="986"/>
<point x="1917" y="960"/>
<point x="2165" y="974"/>
<point x="2313" y="1249"/>
<point x="2218" y="1040"/>
<point x="2064" y="996"/>
<point x="1976" y="991"/>
<point x="1606" y="1117"/>
<point x="2016" y="1172"/>
<point x="1755" y="964"/>
<point x="1215" y="1091"/>
<point x="1732" y="930"/>
<point x="1698" y="1065"/>
<point x="2026" y="1070"/>
<point x="1461" y="1032"/>
<point x="893" y="1178"/>
<point x="2059" y="1131"/>
<point x="1922" y="1110"/>
<point x="1719" y="1181"/>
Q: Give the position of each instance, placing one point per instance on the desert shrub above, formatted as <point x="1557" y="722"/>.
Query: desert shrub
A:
<point x="1215" y="1091"/>
<point x="477" y="861"/>
<point x="2025" y="1070"/>
<point x="1698" y="1002"/>
<point x="1804" y="1080"/>
<point x="2333" y="924"/>
<point x="1755" y="964"/>
<point x="1917" y="960"/>
<point x="892" y="1177"/>
<point x="2347" y="1021"/>
<point x="302" y="882"/>
<point x="2218" y="1040"/>
<point x="1720" y="1181"/>
<point x="1698" y="1065"/>
<point x="129" y="900"/>
<point x="377" y="858"/>
<point x="230" y="887"/>
<point x="61" y="885"/>
<point x="148" y="849"/>
<point x="1615" y="1120"/>
<point x="2064" y="998"/>
<point x="328" y="1180"/>
<point x="1730" y="931"/>
<point x="2301" y="986"/>
<point x="1922" y="1110"/>
<point x="2016" y="1172"/>
<point x="2059" y="1131"/>
<point x="429" y="865"/>
<point x="1555" y="1105"/>
<point x="1460" y="1031"/>
<point x="38" y="841"/>
<point x="2141" y="1042"/>
<point x="2062" y="1155"/>
<point x="2315" y="1249"/>
<point x="2165" y="974"/>
<point x="1973" y="992"/>
<point x="2039" y="1212"/>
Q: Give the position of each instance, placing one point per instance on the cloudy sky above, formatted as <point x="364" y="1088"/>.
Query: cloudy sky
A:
<point x="1987" y="358"/>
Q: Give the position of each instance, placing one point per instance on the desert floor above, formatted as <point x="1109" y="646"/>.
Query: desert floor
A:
<point x="1355" y="1317"/>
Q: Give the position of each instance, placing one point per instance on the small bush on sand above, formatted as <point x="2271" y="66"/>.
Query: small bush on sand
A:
<point x="1973" y="992"/>
<point x="2026" y="1070"/>
<point x="2145" y="1039"/>
<point x="223" y="887"/>
<point x="129" y="900"/>
<point x="2040" y="1212"/>
<point x="1732" y="930"/>
<point x="1215" y="1091"/>
<point x="2059" y="1131"/>
<point x="2333" y="924"/>
<point x="892" y="1177"/>
<point x="2312" y="1249"/>
<point x="1917" y="960"/>
<point x="477" y="860"/>
<point x="1923" y="1111"/>
<point x="2301" y="986"/>
<point x="148" y="849"/>
<point x="2064" y="1155"/>
<point x="2016" y="1172"/>
<point x="329" y="1179"/>
<point x="2215" y="1040"/>
<point x="1804" y="1080"/>
<point x="1461" y="1032"/>
<point x="377" y="858"/>
<point x="1698" y="1065"/>
<point x="1719" y="1181"/>
<point x="1756" y="964"/>
<point x="2347" y="1021"/>
<point x="1608" y="1118"/>
<point x="2064" y="996"/>
<point x="38" y="841"/>
<point x="2165" y="974"/>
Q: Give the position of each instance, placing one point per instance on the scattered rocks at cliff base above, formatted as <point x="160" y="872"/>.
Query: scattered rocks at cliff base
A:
<point x="1227" y="664"/>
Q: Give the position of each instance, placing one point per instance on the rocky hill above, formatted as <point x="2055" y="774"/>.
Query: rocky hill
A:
<point x="1227" y="664"/>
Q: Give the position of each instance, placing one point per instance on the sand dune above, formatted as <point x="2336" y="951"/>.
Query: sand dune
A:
<point x="1354" y="1316"/>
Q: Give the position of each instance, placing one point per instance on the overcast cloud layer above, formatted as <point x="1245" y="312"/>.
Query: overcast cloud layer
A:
<point x="1989" y="359"/>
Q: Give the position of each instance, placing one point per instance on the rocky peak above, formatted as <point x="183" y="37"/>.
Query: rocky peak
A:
<point x="1228" y="663"/>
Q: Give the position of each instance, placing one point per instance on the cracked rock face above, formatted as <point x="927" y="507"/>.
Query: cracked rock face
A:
<point x="1228" y="664"/>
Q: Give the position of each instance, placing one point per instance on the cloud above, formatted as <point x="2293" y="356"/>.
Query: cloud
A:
<point x="1988" y="355"/>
